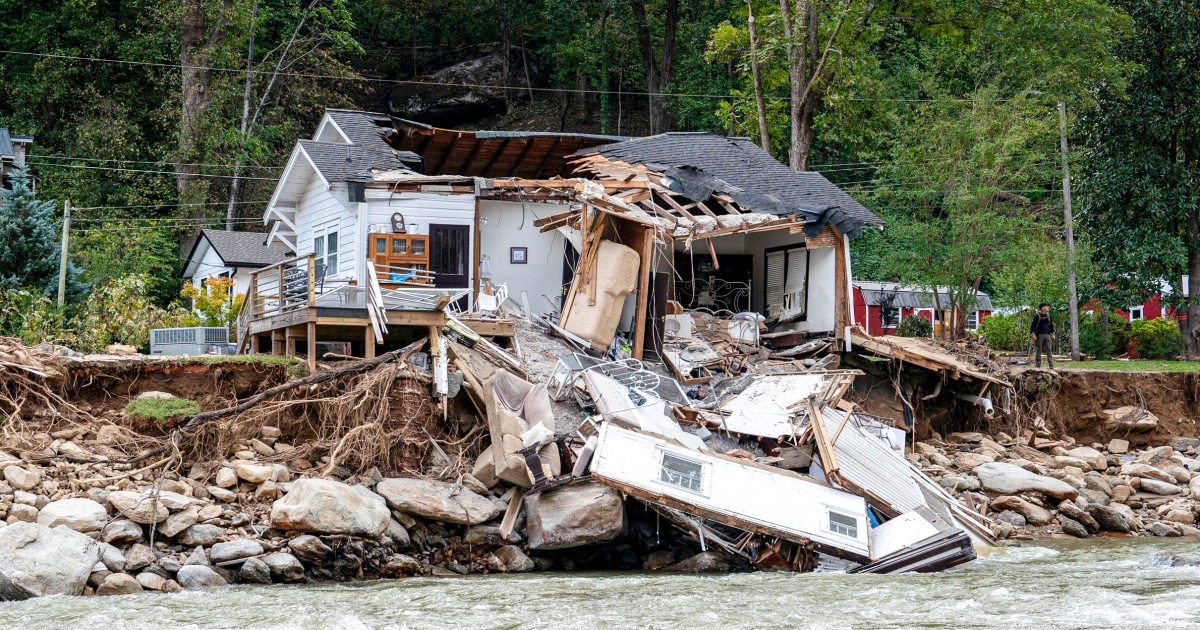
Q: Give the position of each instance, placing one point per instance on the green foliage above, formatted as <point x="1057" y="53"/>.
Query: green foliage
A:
<point x="914" y="326"/>
<point x="162" y="410"/>
<point x="1092" y="340"/>
<point x="1156" y="339"/>
<point x="216" y="303"/>
<point x="1007" y="332"/>
<point x="30" y="240"/>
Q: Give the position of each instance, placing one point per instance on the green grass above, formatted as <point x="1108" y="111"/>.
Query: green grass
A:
<point x="1135" y="366"/>
<point x="161" y="410"/>
<point x="294" y="366"/>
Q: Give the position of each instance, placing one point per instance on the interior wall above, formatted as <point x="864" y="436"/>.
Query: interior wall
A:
<point x="505" y="228"/>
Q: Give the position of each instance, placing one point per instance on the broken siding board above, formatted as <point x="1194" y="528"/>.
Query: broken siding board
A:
<point x="744" y="495"/>
<point x="921" y="353"/>
<point x="766" y="407"/>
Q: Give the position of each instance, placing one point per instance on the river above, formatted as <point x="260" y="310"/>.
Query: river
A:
<point x="1084" y="584"/>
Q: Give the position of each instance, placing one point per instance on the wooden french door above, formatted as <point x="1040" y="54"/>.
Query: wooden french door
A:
<point x="450" y="255"/>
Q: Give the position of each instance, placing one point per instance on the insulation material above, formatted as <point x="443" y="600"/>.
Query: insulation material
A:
<point x="768" y="407"/>
<point x="615" y="276"/>
<point x="514" y="406"/>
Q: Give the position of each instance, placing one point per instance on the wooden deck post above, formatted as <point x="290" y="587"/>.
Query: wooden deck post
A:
<point x="289" y="342"/>
<point x="643" y="297"/>
<point x="312" y="347"/>
<point x="368" y="341"/>
<point x="253" y="344"/>
<point x="278" y="341"/>
<point x="840" y="281"/>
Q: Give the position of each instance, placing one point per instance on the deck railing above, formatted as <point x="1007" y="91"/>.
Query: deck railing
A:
<point x="283" y="287"/>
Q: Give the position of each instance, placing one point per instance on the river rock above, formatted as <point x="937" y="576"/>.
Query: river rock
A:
<point x="1162" y="530"/>
<point x="399" y="534"/>
<point x="119" y="584"/>
<point x="36" y="561"/>
<point x="221" y="494"/>
<point x="401" y="565"/>
<point x="1098" y="482"/>
<point x="255" y="571"/>
<point x="1072" y="527"/>
<point x="965" y="482"/>
<point x="22" y="478"/>
<point x="112" y="558"/>
<point x="234" y="550"/>
<point x="253" y="473"/>
<point x="310" y="549"/>
<point x="180" y="521"/>
<point x="1121" y="493"/>
<point x="198" y="576"/>
<point x="1154" y="486"/>
<point x="514" y="560"/>
<point x="22" y="513"/>
<point x="1155" y="455"/>
<point x="81" y="515"/>
<point x="437" y="500"/>
<point x="1002" y="478"/>
<point x="968" y="461"/>
<point x="1117" y="446"/>
<point x="1178" y="473"/>
<point x="1109" y="519"/>
<point x="1177" y="559"/>
<point x="174" y="500"/>
<point x="1145" y="471"/>
<point x="965" y="438"/>
<point x="197" y="557"/>
<point x="1072" y="511"/>
<point x="330" y="507"/>
<point x="1093" y="457"/>
<point x="150" y="581"/>
<point x="139" y="556"/>
<point x="139" y="508"/>
<point x="574" y="515"/>
<point x="284" y="567"/>
<point x="201" y="535"/>
<point x="1180" y="516"/>
<point x="1011" y="518"/>
<point x="1033" y="514"/>
<point x="1129" y="419"/>
<point x="703" y="562"/>
<point x="121" y="531"/>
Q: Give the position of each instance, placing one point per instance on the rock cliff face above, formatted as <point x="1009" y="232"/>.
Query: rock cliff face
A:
<point x="464" y="91"/>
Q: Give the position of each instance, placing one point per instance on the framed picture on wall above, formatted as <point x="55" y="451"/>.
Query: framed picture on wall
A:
<point x="518" y="255"/>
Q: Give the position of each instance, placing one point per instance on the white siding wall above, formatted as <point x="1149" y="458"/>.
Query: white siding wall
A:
<point x="542" y="274"/>
<point x="422" y="209"/>
<point x="319" y="210"/>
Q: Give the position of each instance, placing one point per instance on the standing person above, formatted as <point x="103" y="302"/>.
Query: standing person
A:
<point x="1042" y="331"/>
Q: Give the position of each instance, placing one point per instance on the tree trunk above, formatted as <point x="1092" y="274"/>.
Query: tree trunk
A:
<point x="235" y="185"/>
<point x="658" y="74"/>
<point x="1191" y="326"/>
<point x="196" y="41"/>
<point x="795" y="32"/>
<point x="505" y="46"/>
<point x="764" y="131"/>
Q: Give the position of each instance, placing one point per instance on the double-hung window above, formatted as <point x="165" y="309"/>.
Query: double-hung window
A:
<point x="787" y="281"/>
<point x="325" y="250"/>
<point x="682" y="472"/>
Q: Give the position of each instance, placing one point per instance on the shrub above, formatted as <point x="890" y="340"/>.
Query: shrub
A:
<point x="1007" y="332"/>
<point x="162" y="411"/>
<point x="1156" y="339"/>
<point x="1092" y="341"/>
<point x="914" y="326"/>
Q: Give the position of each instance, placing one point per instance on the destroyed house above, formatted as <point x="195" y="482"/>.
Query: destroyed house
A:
<point x="391" y="221"/>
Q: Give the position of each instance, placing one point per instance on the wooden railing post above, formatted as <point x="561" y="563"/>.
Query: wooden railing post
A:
<point x="312" y="280"/>
<point x="279" y="290"/>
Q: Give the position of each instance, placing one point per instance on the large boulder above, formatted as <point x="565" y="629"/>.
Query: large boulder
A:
<point x="464" y="91"/>
<point x="437" y="500"/>
<point x="200" y="576"/>
<point x="284" y="567"/>
<point x="574" y="515"/>
<point x="235" y="550"/>
<point x="36" y="561"/>
<point x="1144" y="471"/>
<point x="1129" y="419"/>
<point x="1004" y="478"/>
<point x="703" y="562"/>
<point x="81" y="515"/>
<point x="325" y="506"/>
<point x="138" y="507"/>
<point x="1033" y="514"/>
<point x="1109" y="519"/>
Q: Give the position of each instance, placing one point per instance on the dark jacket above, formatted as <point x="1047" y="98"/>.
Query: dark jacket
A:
<point x="1041" y="324"/>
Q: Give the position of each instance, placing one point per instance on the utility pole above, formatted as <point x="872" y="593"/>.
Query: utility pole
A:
<point x="62" y="259"/>
<point x="1072" y="298"/>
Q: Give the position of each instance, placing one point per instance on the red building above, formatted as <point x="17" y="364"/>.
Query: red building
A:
<point x="880" y="306"/>
<point x="1152" y="308"/>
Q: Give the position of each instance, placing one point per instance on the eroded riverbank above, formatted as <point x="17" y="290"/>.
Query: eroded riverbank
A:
<point x="1099" y="583"/>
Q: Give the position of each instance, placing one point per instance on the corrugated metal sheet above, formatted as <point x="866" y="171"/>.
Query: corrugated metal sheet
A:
<point x="866" y="462"/>
<point x="875" y="293"/>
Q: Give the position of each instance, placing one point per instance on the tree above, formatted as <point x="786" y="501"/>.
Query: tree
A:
<point x="29" y="240"/>
<point x="1140" y="186"/>
<point x="658" y="71"/>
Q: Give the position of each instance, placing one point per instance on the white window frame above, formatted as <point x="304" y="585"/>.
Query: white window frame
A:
<point x="705" y="472"/>
<point x="883" y="320"/>
<point x="1137" y="313"/>
<point x="326" y="247"/>
<point x="827" y="523"/>
<point x="792" y="294"/>
<point x="973" y="320"/>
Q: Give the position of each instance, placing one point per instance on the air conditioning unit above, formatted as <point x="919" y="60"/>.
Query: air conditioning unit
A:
<point x="189" y="342"/>
<point x="333" y="347"/>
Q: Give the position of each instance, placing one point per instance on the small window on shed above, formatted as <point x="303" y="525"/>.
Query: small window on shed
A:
<point x="682" y="472"/>
<point x="843" y="524"/>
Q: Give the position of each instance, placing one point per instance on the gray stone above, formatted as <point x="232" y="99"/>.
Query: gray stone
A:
<point x="437" y="500"/>
<point x="255" y="571"/>
<point x="150" y="581"/>
<point x="1072" y="527"/>
<point x="225" y="478"/>
<point x="253" y="473"/>
<point x="22" y="478"/>
<point x="180" y="521"/>
<point x="197" y="576"/>
<point x="1184" y="443"/>
<point x="704" y="562"/>
<point x="1010" y="517"/>
<point x="1072" y="511"/>
<point x="325" y="506"/>
<point x="1109" y="519"/>
<point x="488" y="535"/>
<point x="22" y="513"/>
<point x="36" y="561"/>
<point x="201" y="535"/>
<point x="171" y="565"/>
<point x="658" y="560"/>
<point x="1034" y="515"/>
<point x="968" y="461"/>
<point x="1145" y="471"/>
<point x="1094" y="458"/>
<point x="121" y="531"/>
<point x="398" y="533"/>
<point x="139" y="556"/>
<point x="119" y="584"/>
<point x="198" y="558"/>
<point x="1177" y="559"/>
<point x="1162" y="530"/>
<point x="515" y="560"/>
<point x="1004" y="478"/>
<point x="139" y="508"/>
<point x="965" y="482"/>
<point x="1154" y="486"/>
<point x="284" y="567"/>
<point x="111" y="557"/>
<point x="1155" y="455"/>
<point x="401" y="565"/>
<point x="234" y="550"/>
<point x="81" y="515"/>
<point x="310" y="549"/>
<point x="574" y="515"/>
<point x="221" y="494"/>
<point x="1098" y="482"/>
<point x="1117" y="446"/>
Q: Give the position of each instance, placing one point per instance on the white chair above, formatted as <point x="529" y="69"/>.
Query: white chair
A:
<point x="490" y="304"/>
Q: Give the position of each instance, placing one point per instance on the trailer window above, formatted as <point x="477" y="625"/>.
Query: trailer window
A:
<point x="843" y="524"/>
<point x="682" y="472"/>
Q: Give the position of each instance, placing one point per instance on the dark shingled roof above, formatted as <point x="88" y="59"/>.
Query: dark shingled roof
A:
<point x="6" y="147"/>
<point x="353" y="162"/>
<point x="743" y="170"/>
<point x="362" y="127"/>
<point x="906" y="296"/>
<point x="244" y="249"/>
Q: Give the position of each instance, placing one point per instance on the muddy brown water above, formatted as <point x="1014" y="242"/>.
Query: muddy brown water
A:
<point x="1084" y="584"/>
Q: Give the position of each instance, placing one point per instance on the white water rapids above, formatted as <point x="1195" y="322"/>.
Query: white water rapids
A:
<point x="1084" y="584"/>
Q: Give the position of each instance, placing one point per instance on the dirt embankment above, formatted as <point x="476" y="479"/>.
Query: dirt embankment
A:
<point x="1073" y="402"/>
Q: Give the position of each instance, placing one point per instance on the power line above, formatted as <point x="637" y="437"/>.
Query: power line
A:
<point x="163" y="162"/>
<point x="166" y="205"/>
<point x="149" y="172"/>
<point x="155" y="64"/>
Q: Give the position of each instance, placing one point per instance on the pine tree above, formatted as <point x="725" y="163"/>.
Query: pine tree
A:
<point x="29" y="240"/>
